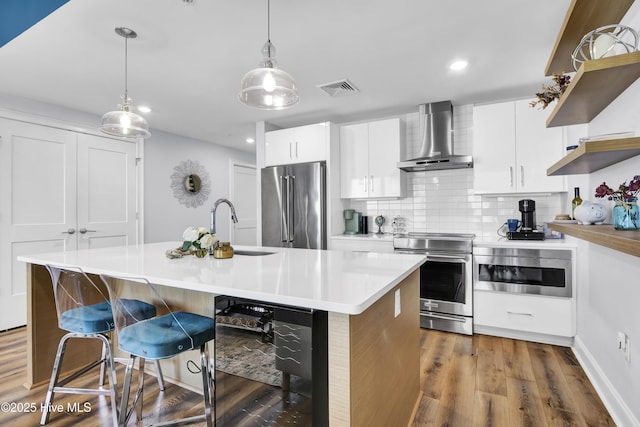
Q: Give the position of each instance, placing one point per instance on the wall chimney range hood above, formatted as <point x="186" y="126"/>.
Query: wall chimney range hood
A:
<point x="436" y="153"/>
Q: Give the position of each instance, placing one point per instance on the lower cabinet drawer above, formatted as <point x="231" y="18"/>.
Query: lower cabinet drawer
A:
<point x="529" y="313"/>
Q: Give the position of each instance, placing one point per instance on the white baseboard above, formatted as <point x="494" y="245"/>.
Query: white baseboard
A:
<point x="618" y="409"/>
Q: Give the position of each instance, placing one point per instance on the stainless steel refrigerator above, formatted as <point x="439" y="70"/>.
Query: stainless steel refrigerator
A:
<point x="294" y="206"/>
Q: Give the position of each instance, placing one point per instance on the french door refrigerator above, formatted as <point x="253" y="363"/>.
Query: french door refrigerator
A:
<point x="294" y="206"/>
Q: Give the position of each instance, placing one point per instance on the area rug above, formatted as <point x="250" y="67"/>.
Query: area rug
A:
<point x="240" y="352"/>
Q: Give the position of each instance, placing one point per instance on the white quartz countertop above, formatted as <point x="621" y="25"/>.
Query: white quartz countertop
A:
<point x="342" y="282"/>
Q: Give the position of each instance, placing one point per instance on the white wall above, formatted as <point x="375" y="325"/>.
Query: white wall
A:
<point x="165" y="217"/>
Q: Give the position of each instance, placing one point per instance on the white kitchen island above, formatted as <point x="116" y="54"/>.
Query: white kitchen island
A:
<point x="371" y="300"/>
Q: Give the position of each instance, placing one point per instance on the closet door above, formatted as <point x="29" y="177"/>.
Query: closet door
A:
<point x="37" y="205"/>
<point x="106" y="192"/>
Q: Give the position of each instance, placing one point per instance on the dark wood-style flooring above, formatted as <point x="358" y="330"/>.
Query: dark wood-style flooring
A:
<point x="467" y="382"/>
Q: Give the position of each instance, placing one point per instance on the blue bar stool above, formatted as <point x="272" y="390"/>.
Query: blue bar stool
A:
<point x="161" y="337"/>
<point x="85" y="312"/>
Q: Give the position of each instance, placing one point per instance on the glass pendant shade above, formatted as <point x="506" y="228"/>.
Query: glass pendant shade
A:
<point x="268" y="87"/>
<point x="124" y="123"/>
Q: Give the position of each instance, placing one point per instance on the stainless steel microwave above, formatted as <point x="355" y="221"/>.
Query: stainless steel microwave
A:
<point x="523" y="271"/>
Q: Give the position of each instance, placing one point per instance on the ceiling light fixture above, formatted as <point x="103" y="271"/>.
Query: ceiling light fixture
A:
<point x="268" y="87"/>
<point x="458" y="65"/>
<point x="250" y="140"/>
<point x="124" y="123"/>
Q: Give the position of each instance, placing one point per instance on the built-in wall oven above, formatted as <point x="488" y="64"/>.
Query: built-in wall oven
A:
<point x="446" y="285"/>
<point x="523" y="270"/>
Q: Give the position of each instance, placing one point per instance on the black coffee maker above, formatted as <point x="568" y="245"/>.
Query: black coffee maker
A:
<point x="528" y="229"/>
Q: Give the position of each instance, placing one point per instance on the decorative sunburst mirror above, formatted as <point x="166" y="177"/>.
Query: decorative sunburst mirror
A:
<point x="190" y="183"/>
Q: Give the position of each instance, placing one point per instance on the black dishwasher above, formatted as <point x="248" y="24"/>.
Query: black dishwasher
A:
<point x="271" y="364"/>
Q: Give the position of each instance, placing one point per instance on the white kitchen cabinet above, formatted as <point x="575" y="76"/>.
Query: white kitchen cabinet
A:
<point x="296" y="145"/>
<point x="368" y="156"/>
<point x="524" y="313"/>
<point x="512" y="149"/>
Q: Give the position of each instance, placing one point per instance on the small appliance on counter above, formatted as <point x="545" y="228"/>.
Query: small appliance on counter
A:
<point x="351" y="221"/>
<point x="528" y="229"/>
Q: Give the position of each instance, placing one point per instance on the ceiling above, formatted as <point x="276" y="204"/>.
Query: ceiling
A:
<point x="188" y="59"/>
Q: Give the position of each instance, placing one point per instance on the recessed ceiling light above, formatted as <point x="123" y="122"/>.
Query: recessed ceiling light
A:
<point x="250" y="140"/>
<point x="458" y="65"/>
<point x="144" y="109"/>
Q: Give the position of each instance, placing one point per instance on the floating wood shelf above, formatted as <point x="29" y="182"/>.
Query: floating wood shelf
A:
<point x="582" y="17"/>
<point x="627" y="241"/>
<point x="595" y="155"/>
<point x="596" y="84"/>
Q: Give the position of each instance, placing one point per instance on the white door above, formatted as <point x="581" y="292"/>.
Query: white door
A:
<point x="46" y="199"/>
<point x="244" y="196"/>
<point x="106" y="192"/>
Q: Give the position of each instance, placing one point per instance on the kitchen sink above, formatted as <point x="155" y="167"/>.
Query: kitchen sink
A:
<point x="251" y="253"/>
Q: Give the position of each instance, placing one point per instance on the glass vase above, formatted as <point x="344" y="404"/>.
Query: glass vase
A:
<point x="626" y="215"/>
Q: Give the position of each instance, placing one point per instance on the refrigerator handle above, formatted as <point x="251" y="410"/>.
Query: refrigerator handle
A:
<point x="283" y="217"/>
<point x="290" y="211"/>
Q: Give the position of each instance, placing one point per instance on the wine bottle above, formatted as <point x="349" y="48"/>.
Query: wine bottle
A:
<point x="577" y="201"/>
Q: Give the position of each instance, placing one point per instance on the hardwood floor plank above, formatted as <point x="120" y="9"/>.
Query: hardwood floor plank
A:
<point x="435" y="361"/>
<point x="450" y="368"/>
<point x="427" y="411"/>
<point x="491" y="410"/>
<point x="552" y="384"/>
<point x="458" y="397"/>
<point x="588" y="403"/>
<point x="517" y="363"/>
<point x="490" y="373"/>
<point x="525" y="406"/>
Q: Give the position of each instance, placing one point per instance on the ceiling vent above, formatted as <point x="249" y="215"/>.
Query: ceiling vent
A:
<point x="339" y="88"/>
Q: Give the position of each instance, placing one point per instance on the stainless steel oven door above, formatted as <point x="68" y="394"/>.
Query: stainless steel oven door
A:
<point x="446" y="284"/>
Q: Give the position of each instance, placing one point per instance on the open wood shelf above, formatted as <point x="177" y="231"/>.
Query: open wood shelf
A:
<point x="582" y="17"/>
<point x="596" y="84"/>
<point x="627" y="241"/>
<point x="594" y="155"/>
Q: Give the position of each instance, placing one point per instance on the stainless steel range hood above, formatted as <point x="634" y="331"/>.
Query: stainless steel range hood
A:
<point x="436" y="126"/>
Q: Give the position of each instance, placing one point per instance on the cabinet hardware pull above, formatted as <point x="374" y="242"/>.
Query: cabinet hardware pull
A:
<point x="519" y="313"/>
<point x="372" y="190"/>
<point x="510" y="176"/>
<point x="365" y="183"/>
<point x="290" y="151"/>
<point x="69" y="231"/>
<point x="84" y="230"/>
<point x="521" y="175"/>
<point x="296" y="150"/>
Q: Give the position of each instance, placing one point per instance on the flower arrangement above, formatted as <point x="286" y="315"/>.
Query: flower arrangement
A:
<point x="553" y="92"/>
<point x="625" y="193"/>
<point x="195" y="238"/>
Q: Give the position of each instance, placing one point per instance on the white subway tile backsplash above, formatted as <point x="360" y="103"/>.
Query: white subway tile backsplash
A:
<point x="444" y="201"/>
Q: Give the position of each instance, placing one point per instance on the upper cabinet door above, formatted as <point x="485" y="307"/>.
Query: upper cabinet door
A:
<point x="354" y="161"/>
<point x="310" y="143"/>
<point x="385" y="140"/>
<point x="536" y="147"/>
<point x="296" y="145"/>
<point x="494" y="149"/>
<point x="511" y="148"/>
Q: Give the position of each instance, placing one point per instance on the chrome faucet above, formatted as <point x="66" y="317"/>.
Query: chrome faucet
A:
<point x="234" y="218"/>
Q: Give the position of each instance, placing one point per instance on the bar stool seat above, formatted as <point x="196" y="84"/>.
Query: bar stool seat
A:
<point x="159" y="338"/>
<point x="84" y="311"/>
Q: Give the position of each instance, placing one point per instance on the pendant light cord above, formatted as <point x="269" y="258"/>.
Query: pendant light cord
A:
<point x="126" y="94"/>
<point x="269" y="21"/>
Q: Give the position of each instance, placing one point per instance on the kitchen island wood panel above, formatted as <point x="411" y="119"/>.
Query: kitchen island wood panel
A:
<point x="373" y="354"/>
<point x="373" y="360"/>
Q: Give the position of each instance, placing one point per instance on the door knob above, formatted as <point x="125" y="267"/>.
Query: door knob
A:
<point x="84" y="230"/>
<point x="69" y="231"/>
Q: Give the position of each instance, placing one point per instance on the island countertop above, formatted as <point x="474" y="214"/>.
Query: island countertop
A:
<point x="336" y="281"/>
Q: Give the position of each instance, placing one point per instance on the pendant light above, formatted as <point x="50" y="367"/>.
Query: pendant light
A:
<point x="268" y="87"/>
<point x="124" y="123"/>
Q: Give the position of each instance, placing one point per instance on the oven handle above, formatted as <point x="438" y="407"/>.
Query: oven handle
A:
<point x="460" y="319"/>
<point x="432" y="256"/>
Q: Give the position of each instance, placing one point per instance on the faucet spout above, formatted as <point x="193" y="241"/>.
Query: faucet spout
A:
<point x="234" y="218"/>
